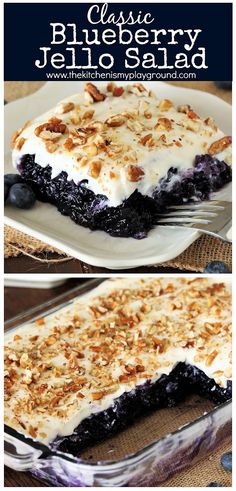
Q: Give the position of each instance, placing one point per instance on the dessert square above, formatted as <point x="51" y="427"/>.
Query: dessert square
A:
<point x="113" y="158"/>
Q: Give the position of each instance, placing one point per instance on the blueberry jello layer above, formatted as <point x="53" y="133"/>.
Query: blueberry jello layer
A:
<point x="112" y="157"/>
<point x="130" y="346"/>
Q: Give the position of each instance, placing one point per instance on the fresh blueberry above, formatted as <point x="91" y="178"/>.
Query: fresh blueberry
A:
<point x="11" y="179"/>
<point x="216" y="267"/>
<point x="214" y="484"/>
<point x="6" y="191"/>
<point x="226" y="461"/>
<point x="22" y="196"/>
<point x="224" y="85"/>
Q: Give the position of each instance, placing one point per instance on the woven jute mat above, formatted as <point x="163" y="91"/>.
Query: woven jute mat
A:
<point x="195" y="258"/>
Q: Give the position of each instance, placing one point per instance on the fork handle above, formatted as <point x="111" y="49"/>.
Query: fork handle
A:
<point x="220" y="235"/>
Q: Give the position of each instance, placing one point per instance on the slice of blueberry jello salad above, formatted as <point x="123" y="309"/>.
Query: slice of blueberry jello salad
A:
<point x="132" y="345"/>
<point x="113" y="157"/>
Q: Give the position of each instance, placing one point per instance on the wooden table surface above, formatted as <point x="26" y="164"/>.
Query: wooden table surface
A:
<point x="24" y="264"/>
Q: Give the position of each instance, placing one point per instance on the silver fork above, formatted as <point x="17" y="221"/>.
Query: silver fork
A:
<point x="208" y="217"/>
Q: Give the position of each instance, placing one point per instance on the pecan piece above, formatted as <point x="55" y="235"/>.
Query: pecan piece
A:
<point x="50" y="146"/>
<point x="95" y="169"/>
<point x="184" y="108"/>
<point x="165" y="105"/>
<point x="134" y="173"/>
<point x="219" y="145"/>
<point x="94" y="92"/>
<point x="118" y="91"/>
<point x="65" y="107"/>
<point x="51" y="127"/>
<point x="163" y="124"/>
<point x="115" y="121"/>
<point x="19" y="143"/>
<point x="145" y="139"/>
<point x="87" y="115"/>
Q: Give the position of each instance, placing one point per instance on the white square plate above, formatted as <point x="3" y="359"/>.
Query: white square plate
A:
<point x="97" y="248"/>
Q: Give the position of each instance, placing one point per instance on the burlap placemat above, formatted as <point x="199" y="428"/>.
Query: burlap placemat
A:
<point x="202" y="251"/>
<point x="195" y="258"/>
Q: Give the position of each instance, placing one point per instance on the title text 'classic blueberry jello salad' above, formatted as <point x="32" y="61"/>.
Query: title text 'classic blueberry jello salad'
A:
<point x="132" y="345"/>
<point x="113" y="157"/>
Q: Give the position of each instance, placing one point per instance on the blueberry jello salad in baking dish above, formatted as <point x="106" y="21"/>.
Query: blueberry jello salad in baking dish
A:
<point x="131" y="345"/>
<point x="113" y="157"/>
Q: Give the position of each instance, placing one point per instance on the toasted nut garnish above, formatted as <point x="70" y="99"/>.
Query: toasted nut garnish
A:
<point x="19" y="143"/>
<point x="82" y="160"/>
<point x="165" y="105"/>
<point x="163" y="124"/>
<point x="98" y="395"/>
<point x="32" y="431"/>
<point x="211" y="358"/>
<point x="192" y="125"/>
<point x="158" y="344"/>
<point x="118" y="91"/>
<point x="75" y="119"/>
<point x="17" y="337"/>
<point x="192" y="115"/>
<point x="134" y="173"/>
<point x="54" y="120"/>
<point x="24" y="360"/>
<point x="138" y="89"/>
<point x="147" y="114"/>
<point x="184" y="109"/>
<point x="95" y="169"/>
<point x="40" y="322"/>
<point x="87" y="115"/>
<point x="91" y="150"/>
<point x="145" y="139"/>
<point x="110" y="86"/>
<point x="124" y="378"/>
<point x="51" y="147"/>
<point x="211" y="123"/>
<point x="65" y="107"/>
<point x="140" y="368"/>
<point x="130" y="369"/>
<point x="68" y="144"/>
<point x="115" y="121"/>
<point x="27" y="379"/>
<point x="94" y="92"/>
<point x="55" y="401"/>
<point x="15" y="136"/>
<point x="50" y="127"/>
<point x="219" y="145"/>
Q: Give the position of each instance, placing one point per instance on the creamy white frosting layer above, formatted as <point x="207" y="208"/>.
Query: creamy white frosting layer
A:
<point x="148" y="136"/>
<point x="73" y="363"/>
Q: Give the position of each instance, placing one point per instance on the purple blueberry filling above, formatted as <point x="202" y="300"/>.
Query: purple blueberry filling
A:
<point x="137" y="214"/>
<point x="168" y="391"/>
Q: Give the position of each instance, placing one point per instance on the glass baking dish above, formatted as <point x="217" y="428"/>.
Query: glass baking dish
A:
<point x="154" y="448"/>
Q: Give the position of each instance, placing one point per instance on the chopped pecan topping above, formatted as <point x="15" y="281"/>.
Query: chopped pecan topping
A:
<point x="211" y="357"/>
<point x="51" y="147"/>
<point x="134" y="173"/>
<point x="165" y="105"/>
<point x="91" y="150"/>
<point x="87" y="115"/>
<point x="211" y="123"/>
<point x="118" y="91"/>
<point x="115" y="121"/>
<point x="65" y="107"/>
<point x="183" y="109"/>
<point x="192" y="115"/>
<point x="58" y="128"/>
<point x="95" y="169"/>
<point x="19" y="143"/>
<point x="163" y="124"/>
<point x="96" y="396"/>
<point x="94" y="92"/>
<point x="220" y="145"/>
<point x="69" y="144"/>
<point x="145" y="139"/>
